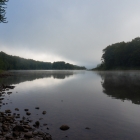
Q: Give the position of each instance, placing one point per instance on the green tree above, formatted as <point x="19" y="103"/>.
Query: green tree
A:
<point x="8" y="62"/>
<point x="3" y="11"/>
<point x="121" y="56"/>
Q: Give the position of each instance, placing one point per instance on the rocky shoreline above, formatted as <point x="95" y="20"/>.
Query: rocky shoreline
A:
<point x="16" y="127"/>
<point x="13" y="126"/>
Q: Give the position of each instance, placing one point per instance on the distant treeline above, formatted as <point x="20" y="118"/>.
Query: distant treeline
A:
<point x="121" y="56"/>
<point x="8" y="62"/>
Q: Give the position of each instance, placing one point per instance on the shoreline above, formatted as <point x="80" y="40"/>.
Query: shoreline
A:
<point x="14" y="126"/>
<point x="4" y="74"/>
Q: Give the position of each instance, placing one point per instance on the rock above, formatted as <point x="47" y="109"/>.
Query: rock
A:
<point x="64" y="127"/>
<point x="23" y="118"/>
<point x="16" y="109"/>
<point x="26" y="130"/>
<point x="10" y="87"/>
<point x="26" y="109"/>
<point x="17" y="116"/>
<point x="4" y="133"/>
<point x="37" y="108"/>
<point x="5" y="128"/>
<point x="87" y="128"/>
<point x="30" y="120"/>
<point x="40" y="118"/>
<point x="8" y="118"/>
<point x="34" y="125"/>
<point x="25" y="123"/>
<point x="37" y="123"/>
<point x="44" y="112"/>
<point x="47" y="137"/>
<point x="27" y="126"/>
<point x="2" y="113"/>
<point x="40" y="133"/>
<point x="18" y="128"/>
<point x="8" y="111"/>
<point x="14" y="114"/>
<point x="32" y="139"/>
<point x="9" y="93"/>
<point x="28" y="135"/>
<point x="9" y="138"/>
<point x="45" y="124"/>
<point x="35" y="132"/>
<point x="15" y="133"/>
<point x="28" y="113"/>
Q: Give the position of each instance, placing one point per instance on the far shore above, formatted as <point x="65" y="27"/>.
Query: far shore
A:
<point x="4" y="74"/>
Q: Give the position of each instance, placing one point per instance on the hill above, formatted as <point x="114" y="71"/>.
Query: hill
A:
<point x="121" y="56"/>
<point x="9" y="62"/>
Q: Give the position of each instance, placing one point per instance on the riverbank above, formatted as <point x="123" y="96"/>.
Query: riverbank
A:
<point x="4" y="74"/>
<point x="14" y="126"/>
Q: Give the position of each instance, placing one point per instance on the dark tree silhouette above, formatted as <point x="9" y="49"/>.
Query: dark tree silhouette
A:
<point x="8" y="62"/>
<point x="3" y="11"/>
<point x="122" y="55"/>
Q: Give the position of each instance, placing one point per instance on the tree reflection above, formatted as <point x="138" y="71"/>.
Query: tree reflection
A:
<point x="122" y="85"/>
<point x="22" y="76"/>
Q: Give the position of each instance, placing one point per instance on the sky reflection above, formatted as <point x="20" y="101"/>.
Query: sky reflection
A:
<point x="82" y="99"/>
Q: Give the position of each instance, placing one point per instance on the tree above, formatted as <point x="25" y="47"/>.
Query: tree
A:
<point x="3" y="11"/>
<point x="8" y="62"/>
<point x="122" y="55"/>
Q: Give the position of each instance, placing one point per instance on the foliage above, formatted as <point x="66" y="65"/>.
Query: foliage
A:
<point x="66" y="66"/>
<point x="8" y="62"/>
<point x="121" y="56"/>
<point x="2" y="11"/>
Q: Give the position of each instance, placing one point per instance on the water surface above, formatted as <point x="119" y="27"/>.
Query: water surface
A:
<point x="106" y="102"/>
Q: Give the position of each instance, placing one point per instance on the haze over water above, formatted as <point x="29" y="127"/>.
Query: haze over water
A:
<point x="106" y="102"/>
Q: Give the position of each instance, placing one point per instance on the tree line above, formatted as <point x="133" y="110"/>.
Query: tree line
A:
<point x="123" y="55"/>
<point x="8" y="62"/>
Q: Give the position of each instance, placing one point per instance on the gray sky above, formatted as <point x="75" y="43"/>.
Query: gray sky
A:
<point x="75" y="31"/>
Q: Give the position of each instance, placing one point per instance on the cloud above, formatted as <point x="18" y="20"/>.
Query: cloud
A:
<point x="73" y="31"/>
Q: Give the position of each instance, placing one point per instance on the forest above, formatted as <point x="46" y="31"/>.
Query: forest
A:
<point x="9" y="62"/>
<point x="121" y="56"/>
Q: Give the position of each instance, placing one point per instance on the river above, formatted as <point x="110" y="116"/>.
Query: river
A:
<point x="94" y="104"/>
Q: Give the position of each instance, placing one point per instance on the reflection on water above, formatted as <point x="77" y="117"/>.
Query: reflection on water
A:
<point x="30" y="75"/>
<point x="78" y="99"/>
<point x="122" y="85"/>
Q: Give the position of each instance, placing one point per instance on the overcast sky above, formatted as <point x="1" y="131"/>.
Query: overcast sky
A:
<point x="75" y="31"/>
